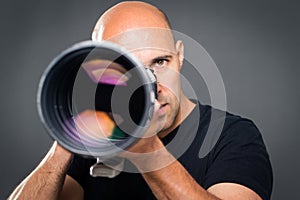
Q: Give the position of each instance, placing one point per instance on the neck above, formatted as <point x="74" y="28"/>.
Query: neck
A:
<point x="185" y="108"/>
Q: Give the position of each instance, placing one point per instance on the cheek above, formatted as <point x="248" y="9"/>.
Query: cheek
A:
<point x="170" y="79"/>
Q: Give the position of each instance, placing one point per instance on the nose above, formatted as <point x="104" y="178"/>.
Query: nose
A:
<point x="158" y="88"/>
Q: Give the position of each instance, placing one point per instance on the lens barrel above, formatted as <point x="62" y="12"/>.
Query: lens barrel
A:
<point x="97" y="76"/>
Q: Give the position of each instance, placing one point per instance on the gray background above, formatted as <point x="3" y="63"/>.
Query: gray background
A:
<point x="254" y="43"/>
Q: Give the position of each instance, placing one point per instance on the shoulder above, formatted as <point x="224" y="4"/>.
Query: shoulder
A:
<point x="239" y="154"/>
<point x="230" y="126"/>
<point x="228" y="133"/>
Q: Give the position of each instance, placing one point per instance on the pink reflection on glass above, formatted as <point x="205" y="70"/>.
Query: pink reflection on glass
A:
<point x="106" y="72"/>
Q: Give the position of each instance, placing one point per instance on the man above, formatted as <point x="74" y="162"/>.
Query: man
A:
<point x="237" y="167"/>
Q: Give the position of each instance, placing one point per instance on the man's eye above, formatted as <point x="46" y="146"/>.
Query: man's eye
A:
<point x="161" y="62"/>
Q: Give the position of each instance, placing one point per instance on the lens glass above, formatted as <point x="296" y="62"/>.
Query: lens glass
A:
<point x="108" y="103"/>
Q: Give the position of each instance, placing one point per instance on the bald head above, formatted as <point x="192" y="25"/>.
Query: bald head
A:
<point x="127" y="16"/>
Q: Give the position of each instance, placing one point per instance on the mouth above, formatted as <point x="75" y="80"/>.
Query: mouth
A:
<point x="163" y="105"/>
<point x="162" y="109"/>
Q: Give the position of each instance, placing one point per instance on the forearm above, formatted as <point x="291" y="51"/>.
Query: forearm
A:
<point x="171" y="181"/>
<point x="174" y="182"/>
<point x="46" y="181"/>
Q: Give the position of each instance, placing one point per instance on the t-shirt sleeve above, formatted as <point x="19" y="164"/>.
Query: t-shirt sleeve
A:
<point x="79" y="169"/>
<point x="240" y="156"/>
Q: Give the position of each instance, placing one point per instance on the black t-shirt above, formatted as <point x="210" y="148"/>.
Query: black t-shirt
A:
<point x="238" y="156"/>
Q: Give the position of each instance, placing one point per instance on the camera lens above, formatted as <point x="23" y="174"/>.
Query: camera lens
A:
<point x="89" y="91"/>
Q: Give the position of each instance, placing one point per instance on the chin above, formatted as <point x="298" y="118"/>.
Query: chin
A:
<point x="169" y="123"/>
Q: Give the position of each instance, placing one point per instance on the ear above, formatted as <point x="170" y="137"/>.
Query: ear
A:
<point x="180" y="52"/>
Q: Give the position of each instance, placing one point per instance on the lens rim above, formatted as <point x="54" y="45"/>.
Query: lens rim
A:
<point x="48" y="112"/>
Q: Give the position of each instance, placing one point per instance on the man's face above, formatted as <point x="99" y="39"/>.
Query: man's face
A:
<point x="155" y="48"/>
<point x="166" y="67"/>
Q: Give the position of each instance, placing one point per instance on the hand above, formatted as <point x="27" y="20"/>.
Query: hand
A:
<point x="150" y="141"/>
<point x="98" y="124"/>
